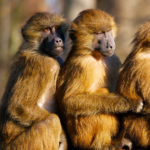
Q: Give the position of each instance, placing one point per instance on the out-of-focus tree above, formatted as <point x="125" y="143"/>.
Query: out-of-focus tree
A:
<point x="73" y="7"/>
<point x="5" y="21"/>
<point x="56" y="6"/>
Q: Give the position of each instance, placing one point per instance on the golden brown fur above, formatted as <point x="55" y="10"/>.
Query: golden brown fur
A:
<point x="88" y="108"/>
<point x="133" y="83"/>
<point x="25" y="122"/>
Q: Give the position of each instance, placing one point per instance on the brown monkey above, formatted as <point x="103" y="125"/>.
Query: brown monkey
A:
<point x="86" y="81"/>
<point x="28" y="119"/>
<point x="133" y="84"/>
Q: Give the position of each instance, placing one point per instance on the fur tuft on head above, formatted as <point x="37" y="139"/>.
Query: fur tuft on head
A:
<point x="33" y="27"/>
<point x="94" y="21"/>
<point x="143" y="34"/>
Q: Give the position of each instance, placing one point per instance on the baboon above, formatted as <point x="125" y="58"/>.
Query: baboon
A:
<point x="87" y="81"/>
<point x="133" y="84"/>
<point x="27" y="118"/>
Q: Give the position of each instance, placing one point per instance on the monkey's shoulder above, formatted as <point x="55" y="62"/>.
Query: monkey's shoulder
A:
<point x="34" y="64"/>
<point x="33" y="59"/>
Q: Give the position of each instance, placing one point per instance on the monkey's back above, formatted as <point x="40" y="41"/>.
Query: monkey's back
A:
<point x="30" y="75"/>
<point x="134" y="75"/>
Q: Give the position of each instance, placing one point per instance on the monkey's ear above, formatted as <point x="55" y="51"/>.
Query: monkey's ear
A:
<point x="143" y="34"/>
<point x="71" y="34"/>
<point x="23" y="32"/>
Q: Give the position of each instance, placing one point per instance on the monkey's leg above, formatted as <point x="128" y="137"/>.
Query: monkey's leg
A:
<point x="135" y="130"/>
<point x="92" y="132"/>
<point x="138" y="130"/>
<point x="44" y="135"/>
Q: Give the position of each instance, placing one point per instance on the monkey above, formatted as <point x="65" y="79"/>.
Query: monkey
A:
<point x="133" y="84"/>
<point x="86" y="83"/>
<point x="28" y="113"/>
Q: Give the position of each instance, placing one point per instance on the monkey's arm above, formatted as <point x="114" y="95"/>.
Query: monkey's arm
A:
<point x="26" y="116"/>
<point x="143" y="90"/>
<point x="78" y="98"/>
<point x="90" y="104"/>
<point x="133" y="82"/>
<point x="29" y="83"/>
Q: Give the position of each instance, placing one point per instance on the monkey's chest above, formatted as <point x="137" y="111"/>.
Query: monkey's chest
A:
<point x="98" y="78"/>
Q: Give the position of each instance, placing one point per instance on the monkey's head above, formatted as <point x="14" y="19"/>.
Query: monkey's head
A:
<point x="142" y="37"/>
<point x="46" y="31"/>
<point x="96" y="30"/>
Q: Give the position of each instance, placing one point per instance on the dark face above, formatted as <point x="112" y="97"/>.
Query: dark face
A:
<point x="53" y="43"/>
<point x="104" y="42"/>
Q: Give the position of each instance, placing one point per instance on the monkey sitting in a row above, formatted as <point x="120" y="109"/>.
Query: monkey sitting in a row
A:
<point x="133" y="84"/>
<point x="88" y="107"/>
<point x="85" y="84"/>
<point x="27" y="118"/>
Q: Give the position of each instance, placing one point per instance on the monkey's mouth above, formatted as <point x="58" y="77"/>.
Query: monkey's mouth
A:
<point x="108" y="53"/>
<point x="59" y="48"/>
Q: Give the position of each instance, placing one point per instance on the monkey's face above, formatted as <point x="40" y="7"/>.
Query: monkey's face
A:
<point x="40" y="26"/>
<point x="104" y="43"/>
<point x="53" y="44"/>
<point x="96" y="29"/>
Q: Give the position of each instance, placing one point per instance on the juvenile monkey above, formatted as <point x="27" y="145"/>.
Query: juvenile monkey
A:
<point x="87" y="80"/>
<point x="27" y="118"/>
<point x="133" y="84"/>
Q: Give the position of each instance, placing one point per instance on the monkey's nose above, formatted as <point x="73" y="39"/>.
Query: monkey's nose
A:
<point x="58" y="41"/>
<point x="110" y="46"/>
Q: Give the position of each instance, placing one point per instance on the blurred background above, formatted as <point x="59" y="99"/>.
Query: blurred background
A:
<point x="128" y="14"/>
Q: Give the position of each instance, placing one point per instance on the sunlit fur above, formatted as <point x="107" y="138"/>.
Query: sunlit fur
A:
<point x="133" y="83"/>
<point x="84" y="85"/>
<point x="23" y="124"/>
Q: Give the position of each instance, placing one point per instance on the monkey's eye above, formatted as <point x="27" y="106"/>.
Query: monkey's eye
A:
<point x="46" y="29"/>
<point x="97" y="33"/>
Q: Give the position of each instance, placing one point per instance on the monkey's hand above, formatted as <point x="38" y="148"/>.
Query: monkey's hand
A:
<point x="139" y="105"/>
<point x="26" y="115"/>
